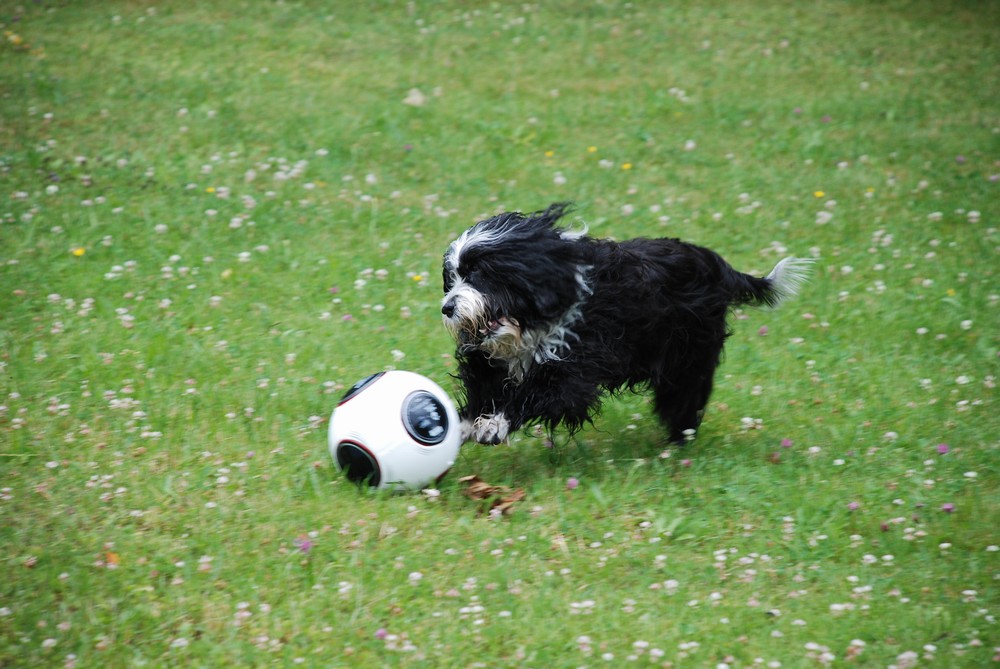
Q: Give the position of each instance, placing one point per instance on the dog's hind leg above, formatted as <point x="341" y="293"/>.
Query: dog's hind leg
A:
<point x="681" y="408"/>
<point x="680" y="397"/>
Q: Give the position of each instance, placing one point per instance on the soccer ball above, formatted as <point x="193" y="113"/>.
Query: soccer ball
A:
<point x="395" y="430"/>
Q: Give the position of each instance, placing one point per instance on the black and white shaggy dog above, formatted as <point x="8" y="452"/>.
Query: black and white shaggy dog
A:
<point x="550" y="320"/>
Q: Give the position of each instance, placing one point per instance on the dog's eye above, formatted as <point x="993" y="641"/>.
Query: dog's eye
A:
<point x="447" y="280"/>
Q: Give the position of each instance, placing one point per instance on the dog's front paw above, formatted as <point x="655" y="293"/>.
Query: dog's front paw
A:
<point x="486" y="429"/>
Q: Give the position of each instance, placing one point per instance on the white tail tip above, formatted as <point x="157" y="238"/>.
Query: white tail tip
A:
<point x="788" y="276"/>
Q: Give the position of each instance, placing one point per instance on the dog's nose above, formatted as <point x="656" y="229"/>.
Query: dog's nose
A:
<point x="448" y="308"/>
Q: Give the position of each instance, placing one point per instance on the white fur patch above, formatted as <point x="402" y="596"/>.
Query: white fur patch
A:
<point x="574" y="235"/>
<point x="474" y="236"/>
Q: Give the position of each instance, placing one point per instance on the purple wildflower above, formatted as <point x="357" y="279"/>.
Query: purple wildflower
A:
<point x="303" y="543"/>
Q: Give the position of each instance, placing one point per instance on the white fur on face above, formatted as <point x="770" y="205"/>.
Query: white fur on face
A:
<point x="471" y="314"/>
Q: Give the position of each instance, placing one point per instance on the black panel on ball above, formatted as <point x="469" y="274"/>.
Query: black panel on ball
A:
<point x="359" y="386"/>
<point x="425" y="418"/>
<point x="358" y="464"/>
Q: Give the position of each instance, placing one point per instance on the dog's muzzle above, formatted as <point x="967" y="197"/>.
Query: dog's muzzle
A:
<point x="470" y="327"/>
<point x="465" y="314"/>
<point x="469" y="334"/>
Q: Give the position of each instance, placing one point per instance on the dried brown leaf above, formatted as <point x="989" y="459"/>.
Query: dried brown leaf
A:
<point x="476" y="488"/>
<point x="506" y="504"/>
<point x="502" y="500"/>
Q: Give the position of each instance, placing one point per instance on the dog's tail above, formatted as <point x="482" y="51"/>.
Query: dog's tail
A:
<point x="782" y="282"/>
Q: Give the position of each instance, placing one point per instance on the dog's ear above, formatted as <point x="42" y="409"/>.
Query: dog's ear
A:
<point x="549" y="216"/>
<point x="513" y="226"/>
<point x="552" y="297"/>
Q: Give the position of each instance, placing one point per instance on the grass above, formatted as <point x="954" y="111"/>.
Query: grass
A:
<point x="218" y="216"/>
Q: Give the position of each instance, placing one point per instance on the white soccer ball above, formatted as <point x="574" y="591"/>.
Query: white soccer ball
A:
<point x="395" y="430"/>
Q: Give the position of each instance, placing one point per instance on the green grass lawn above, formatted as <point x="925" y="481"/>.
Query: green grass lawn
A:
<point x="216" y="216"/>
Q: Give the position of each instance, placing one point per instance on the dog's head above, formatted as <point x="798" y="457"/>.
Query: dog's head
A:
<point x="512" y="280"/>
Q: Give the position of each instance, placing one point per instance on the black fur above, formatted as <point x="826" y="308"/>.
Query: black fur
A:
<point x="619" y="315"/>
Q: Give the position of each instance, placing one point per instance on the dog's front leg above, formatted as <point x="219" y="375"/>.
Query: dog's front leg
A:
<point x="486" y="415"/>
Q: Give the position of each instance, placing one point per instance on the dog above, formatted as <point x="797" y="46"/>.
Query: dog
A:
<point x="548" y="321"/>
